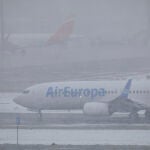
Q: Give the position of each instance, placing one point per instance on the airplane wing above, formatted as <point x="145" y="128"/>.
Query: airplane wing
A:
<point x="123" y="104"/>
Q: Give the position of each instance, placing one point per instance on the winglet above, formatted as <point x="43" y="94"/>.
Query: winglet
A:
<point x="126" y="89"/>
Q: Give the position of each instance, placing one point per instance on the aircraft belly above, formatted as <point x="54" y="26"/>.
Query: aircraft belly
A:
<point x="71" y="102"/>
<point x="66" y="103"/>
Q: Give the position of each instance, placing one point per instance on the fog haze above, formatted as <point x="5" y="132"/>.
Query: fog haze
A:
<point x="75" y="72"/>
<point x="104" y="31"/>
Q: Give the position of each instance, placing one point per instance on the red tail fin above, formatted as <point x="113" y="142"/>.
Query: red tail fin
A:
<point x="63" y="32"/>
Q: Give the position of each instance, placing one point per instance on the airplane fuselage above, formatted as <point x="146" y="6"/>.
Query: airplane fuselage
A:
<point x="74" y="95"/>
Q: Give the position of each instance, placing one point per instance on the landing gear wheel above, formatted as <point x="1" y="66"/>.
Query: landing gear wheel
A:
<point x="147" y="115"/>
<point x="134" y="116"/>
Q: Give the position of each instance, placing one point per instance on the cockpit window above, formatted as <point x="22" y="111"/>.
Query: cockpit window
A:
<point x="26" y="91"/>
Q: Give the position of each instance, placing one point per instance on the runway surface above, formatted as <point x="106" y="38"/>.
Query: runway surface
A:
<point x="65" y="127"/>
<point x="76" y="137"/>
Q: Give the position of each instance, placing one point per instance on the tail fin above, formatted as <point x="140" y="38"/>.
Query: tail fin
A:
<point x="126" y="89"/>
<point x="63" y="32"/>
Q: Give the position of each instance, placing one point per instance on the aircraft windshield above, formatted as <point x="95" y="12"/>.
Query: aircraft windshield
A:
<point x="26" y="91"/>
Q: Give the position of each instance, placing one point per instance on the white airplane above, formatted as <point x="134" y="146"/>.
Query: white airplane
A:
<point x="20" y="42"/>
<point x="93" y="97"/>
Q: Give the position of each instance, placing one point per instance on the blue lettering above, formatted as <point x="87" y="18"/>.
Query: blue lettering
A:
<point x="66" y="92"/>
<point x="93" y="93"/>
<point x="50" y="92"/>
<point x="75" y="92"/>
<point x="86" y="92"/>
<point x="101" y="92"/>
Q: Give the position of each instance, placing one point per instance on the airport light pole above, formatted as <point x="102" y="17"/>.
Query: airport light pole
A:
<point x="148" y="16"/>
<point x="17" y="134"/>
<point x="2" y="23"/>
<point x="2" y="30"/>
<point x="17" y="123"/>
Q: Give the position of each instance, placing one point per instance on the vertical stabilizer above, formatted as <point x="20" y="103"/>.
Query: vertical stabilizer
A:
<point x="126" y="89"/>
<point x="63" y="32"/>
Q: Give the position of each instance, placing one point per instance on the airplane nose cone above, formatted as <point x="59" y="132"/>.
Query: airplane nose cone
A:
<point x="21" y="100"/>
<point x="16" y="100"/>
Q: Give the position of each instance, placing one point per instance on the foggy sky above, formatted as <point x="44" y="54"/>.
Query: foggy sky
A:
<point x="124" y="21"/>
<point x="117" y="17"/>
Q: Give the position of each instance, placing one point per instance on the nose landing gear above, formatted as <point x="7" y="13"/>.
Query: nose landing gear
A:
<point x="134" y="116"/>
<point x="40" y="115"/>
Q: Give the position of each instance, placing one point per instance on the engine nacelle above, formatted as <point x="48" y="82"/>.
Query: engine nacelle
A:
<point x="95" y="108"/>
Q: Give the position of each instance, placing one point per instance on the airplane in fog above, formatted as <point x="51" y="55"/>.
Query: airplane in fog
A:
<point x="101" y="98"/>
<point x="20" y="42"/>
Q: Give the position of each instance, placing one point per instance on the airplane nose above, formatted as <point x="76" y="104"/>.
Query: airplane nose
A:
<point x="16" y="100"/>
<point x="20" y="100"/>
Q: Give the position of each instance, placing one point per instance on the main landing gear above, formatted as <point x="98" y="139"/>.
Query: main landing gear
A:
<point x="134" y="116"/>
<point x="147" y="115"/>
<point x="40" y="114"/>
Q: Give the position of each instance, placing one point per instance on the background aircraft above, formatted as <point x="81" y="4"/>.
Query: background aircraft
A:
<point x="20" y="42"/>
